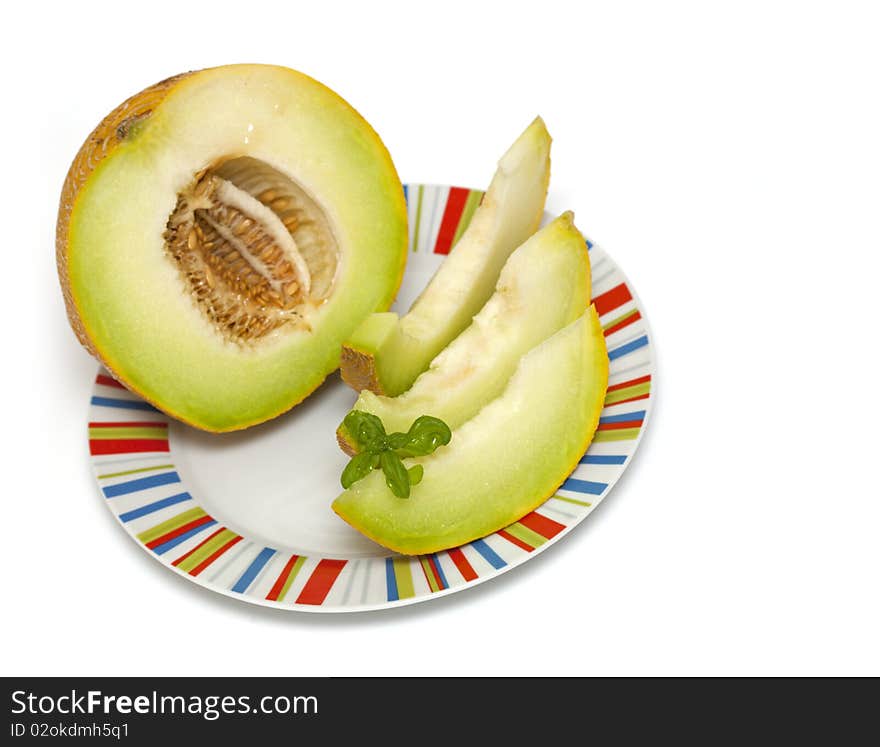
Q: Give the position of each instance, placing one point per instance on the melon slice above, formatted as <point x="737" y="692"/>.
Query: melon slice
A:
<point x="505" y="461"/>
<point x="221" y="233"/>
<point x="544" y="286"/>
<point x="386" y="353"/>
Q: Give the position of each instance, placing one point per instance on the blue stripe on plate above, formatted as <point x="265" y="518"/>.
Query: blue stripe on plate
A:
<point x="155" y="506"/>
<point x="142" y="483"/>
<point x="626" y="417"/>
<point x="172" y="543"/>
<point x="247" y="578"/>
<point x="603" y="459"/>
<point x="639" y="342"/>
<point x="126" y="404"/>
<point x="440" y="571"/>
<point x="391" y="580"/>
<point x="488" y="553"/>
<point x="584" y="486"/>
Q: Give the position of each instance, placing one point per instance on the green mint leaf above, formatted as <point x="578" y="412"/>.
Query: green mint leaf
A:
<point x="364" y="427"/>
<point x="416" y="472"/>
<point x="424" y="436"/>
<point x="397" y="440"/>
<point x="359" y="467"/>
<point x="396" y="476"/>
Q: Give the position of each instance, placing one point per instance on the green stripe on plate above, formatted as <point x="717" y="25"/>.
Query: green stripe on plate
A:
<point x="103" y="434"/>
<point x="135" y="471"/>
<point x="619" y="319"/>
<point x="631" y="391"/>
<point x="470" y="205"/>
<point x="170" y="525"/>
<point x="624" y="434"/>
<point x="572" y="500"/>
<point x="207" y="549"/>
<point x="525" y="534"/>
<point x="429" y="573"/>
<point x="415" y="246"/>
<point x="297" y="565"/>
<point x="403" y="576"/>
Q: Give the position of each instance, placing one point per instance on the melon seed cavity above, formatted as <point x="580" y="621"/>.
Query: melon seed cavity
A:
<point x="255" y="251"/>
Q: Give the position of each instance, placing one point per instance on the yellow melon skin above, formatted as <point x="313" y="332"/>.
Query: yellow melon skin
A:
<point x="109" y="248"/>
<point x="386" y="354"/>
<point x="101" y="143"/>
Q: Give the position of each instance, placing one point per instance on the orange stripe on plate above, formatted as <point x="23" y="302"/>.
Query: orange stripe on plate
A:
<point x="201" y="544"/>
<point x="126" y="445"/>
<point x="454" y="208"/>
<point x="180" y="530"/>
<point x="515" y="540"/>
<point x="632" y="382"/>
<point x="131" y="424"/>
<point x="214" y="555"/>
<point x="623" y="323"/>
<point x="631" y="399"/>
<point x="321" y="581"/>
<point x="611" y="299"/>
<point x="541" y="524"/>
<point x="108" y="381"/>
<point x="620" y="426"/>
<point x="275" y="591"/>
<point x="461" y="562"/>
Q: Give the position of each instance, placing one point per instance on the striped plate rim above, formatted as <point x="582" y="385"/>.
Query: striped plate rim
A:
<point x="132" y="459"/>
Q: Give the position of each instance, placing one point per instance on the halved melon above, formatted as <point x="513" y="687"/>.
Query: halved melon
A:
<point x="221" y="233"/>
<point x="544" y="286"/>
<point x="386" y="353"/>
<point x="505" y="461"/>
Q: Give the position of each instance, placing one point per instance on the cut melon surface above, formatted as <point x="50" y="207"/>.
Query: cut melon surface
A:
<point x="505" y="461"/>
<point x="544" y="285"/>
<point x="386" y="353"/>
<point x="220" y="235"/>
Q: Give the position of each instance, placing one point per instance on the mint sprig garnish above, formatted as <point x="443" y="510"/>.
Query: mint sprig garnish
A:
<point x="381" y="450"/>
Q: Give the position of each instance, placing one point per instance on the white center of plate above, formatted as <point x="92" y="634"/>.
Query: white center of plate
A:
<point x="274" y="483"/>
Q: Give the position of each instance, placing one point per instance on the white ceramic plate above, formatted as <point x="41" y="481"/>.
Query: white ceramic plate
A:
<point x="248" y="514"/>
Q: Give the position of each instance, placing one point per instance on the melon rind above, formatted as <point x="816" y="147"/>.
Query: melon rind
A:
<point x="504" y="462"/>
<point x="387" y="358"/>
<point x="126" y="300"/>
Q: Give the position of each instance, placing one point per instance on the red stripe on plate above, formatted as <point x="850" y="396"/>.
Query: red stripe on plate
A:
<point x="187" y="554"/>
<point x="319" y="583"/>
<point x="631" y="399"/>
<point x="461" y="562"/>
<point x="620" y="426"/>
<point x="541" y="524"/>
<point x="454" y="208"/>
<point x="611" y="299"/>
<point x="126" y="445"/>
<point x="516" y="541"/>
<point x="435" y="563"/>
<point x="275" y="591"/>
<point x="180" y="530"/>
<point x="623" y="323"/>
<point x="131" y="424"/>
<point x="108" y="381"/>
<point x="431" y="572"/>
<point x="214" y="555"/>
<point x="633" y="382"/>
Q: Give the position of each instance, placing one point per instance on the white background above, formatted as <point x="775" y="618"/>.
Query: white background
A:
<point x="725" y="154"/>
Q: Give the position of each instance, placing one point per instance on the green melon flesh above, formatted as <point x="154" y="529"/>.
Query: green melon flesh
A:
<point x="130" y="296"/>
<point x="509" y="213"/>
<point x="544" y="286"/>
<point x="505" y="461"/>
